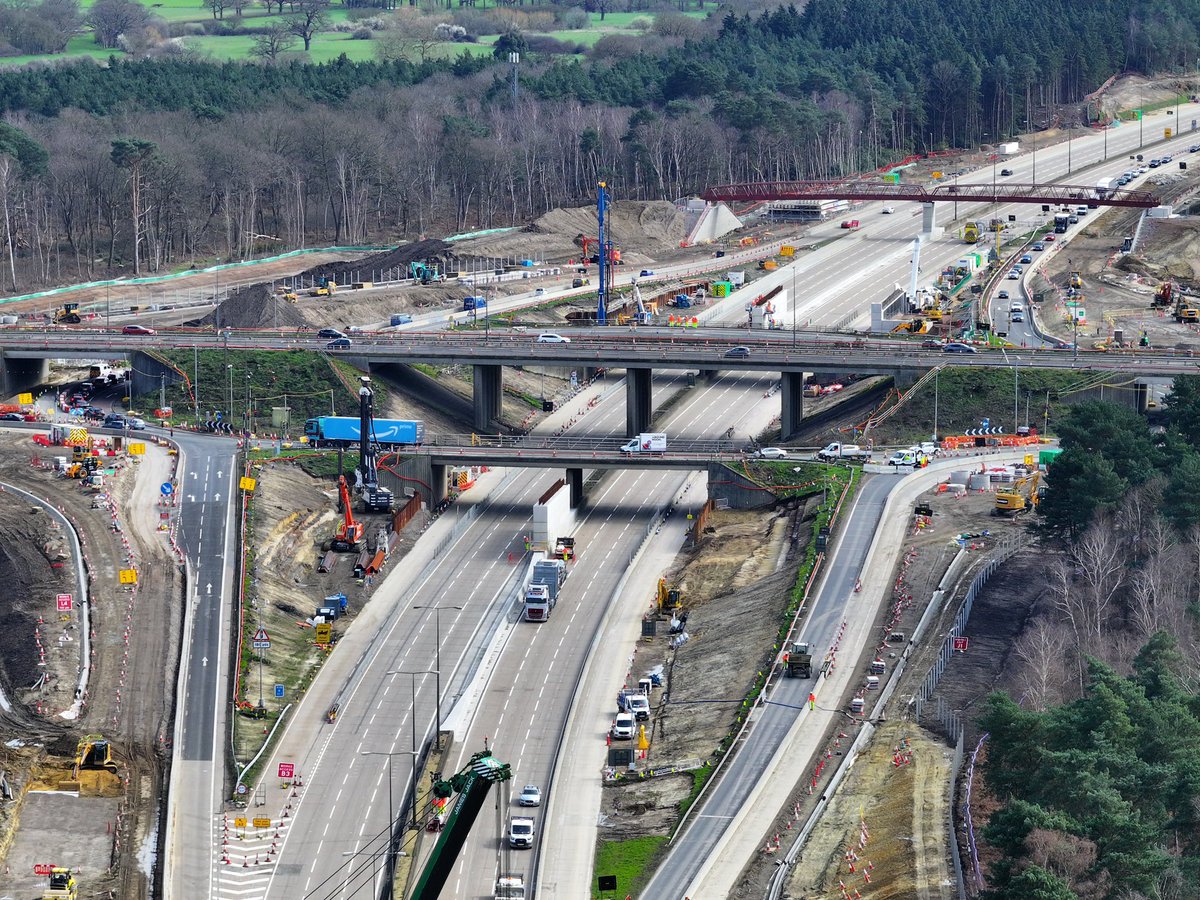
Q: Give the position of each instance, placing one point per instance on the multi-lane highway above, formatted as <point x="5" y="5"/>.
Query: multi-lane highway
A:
<point x="531" y="682"/>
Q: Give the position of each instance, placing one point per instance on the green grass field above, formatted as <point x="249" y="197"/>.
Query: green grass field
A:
<point x="326" y="45"/>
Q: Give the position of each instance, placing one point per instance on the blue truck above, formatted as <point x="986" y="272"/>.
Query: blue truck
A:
<point x="474" y="303"/>
<point x="343" y="431"/>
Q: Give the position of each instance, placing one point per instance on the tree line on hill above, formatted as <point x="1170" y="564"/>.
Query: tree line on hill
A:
<point x="247" y="157"/>
<point x="1097" y="768"/>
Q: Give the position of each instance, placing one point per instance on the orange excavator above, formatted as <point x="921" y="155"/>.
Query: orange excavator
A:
<point x="349" y="534"/>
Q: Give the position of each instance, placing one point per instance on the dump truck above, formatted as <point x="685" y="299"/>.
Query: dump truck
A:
<point x="797" y="660"/>
<point x="564" y="548"/>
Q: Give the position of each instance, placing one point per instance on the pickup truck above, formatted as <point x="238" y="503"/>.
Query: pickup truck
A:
<point x="838" y="450"/>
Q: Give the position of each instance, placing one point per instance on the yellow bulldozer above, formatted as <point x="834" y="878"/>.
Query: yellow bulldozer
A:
<point x="68" y="315"/>
<point x="94" y="753"/>
<point x="1022" y="496"/>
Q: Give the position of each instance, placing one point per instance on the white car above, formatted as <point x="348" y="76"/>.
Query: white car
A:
<point x="622" y="727"/>
<point x="531" y="795"/>
<point x="549" y="337"/>
<point x="771" y="453"/>
<point x="888" y="210"/>
<point x="539" y="292"/>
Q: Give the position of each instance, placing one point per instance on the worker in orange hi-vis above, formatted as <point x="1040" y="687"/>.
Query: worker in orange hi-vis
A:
<point x="812" y="701"/>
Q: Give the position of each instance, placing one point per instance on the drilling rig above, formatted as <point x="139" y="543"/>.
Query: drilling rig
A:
<point x="375" y="498"/>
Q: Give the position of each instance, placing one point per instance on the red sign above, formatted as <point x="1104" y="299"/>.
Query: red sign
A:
<point x="287" y="770"/>
<point x="43" y="869"/>
<point x="64" y="602"/>
<point x="960" y="644"/>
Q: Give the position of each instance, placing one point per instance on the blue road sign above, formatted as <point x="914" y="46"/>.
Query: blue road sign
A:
<point x="167" y="489"/>
<point x="279" y="691"/>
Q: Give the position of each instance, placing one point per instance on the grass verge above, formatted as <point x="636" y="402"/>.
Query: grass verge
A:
<point x="630" y="860"/>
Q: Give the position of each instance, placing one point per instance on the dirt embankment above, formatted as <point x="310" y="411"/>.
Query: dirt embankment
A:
<point x="735" y="587"/>
<point x="292" y="516"/>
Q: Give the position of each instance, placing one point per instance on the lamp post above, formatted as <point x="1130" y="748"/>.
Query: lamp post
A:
<point x="413" y="797"/>
<point x="229" y="369"/>
<point x="437" y="649"/>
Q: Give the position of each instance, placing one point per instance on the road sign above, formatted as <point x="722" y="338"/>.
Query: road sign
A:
<point x="324" y="632"/>
<point x="128" y="576"/>
<point x="246" y="484"/>
<point x="25" y="399"/>
<point x="43" y="869"/>
<point x="137" y="449"/>
<point x="960" y="644"/>
<point x="167" y="489"/>
<point x="287" y="770"/>
<point x="279" y="692"/>
<point x="64" y="602"/>
<point x="262" y="822"/>
<point x="239" y="821"/>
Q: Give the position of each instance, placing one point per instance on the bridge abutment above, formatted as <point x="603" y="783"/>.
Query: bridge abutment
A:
<point x="639" y="401"/>
<point x="488" y="387"/>
<point x="792" y="399"/>
<point x="148" y="373"/>
<point x="20" y="374"/>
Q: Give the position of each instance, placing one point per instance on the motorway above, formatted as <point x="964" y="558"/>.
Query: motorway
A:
<point x="838" y="282"/>
<point x="532" y="682"/>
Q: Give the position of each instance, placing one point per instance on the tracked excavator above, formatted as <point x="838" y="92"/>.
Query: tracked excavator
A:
<point x="471" y="785"/>
<point x="1023" y="496"/>
<point x="349" y="535"/>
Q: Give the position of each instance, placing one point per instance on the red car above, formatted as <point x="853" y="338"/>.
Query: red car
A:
<point x="137" y="329"/>
<point x="1048" y="239"/>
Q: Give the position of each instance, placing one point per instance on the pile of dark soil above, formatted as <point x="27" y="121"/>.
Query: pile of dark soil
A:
<point x="399" y="258"/>
<point x="254" y="307"/>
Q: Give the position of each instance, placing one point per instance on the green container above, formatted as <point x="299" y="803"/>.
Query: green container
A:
<point x="1045" y="457"/>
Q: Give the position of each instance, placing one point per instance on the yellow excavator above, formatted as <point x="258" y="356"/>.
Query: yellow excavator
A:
<point x="1022" y="496"/>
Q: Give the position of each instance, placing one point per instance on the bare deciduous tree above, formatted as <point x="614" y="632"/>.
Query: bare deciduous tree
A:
<point x="1043" y="650"/>
<point x="272" y="43"/>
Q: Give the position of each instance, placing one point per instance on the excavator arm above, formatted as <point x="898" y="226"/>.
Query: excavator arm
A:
<point x="472" y="785"/>
<point x="350" y="533"/>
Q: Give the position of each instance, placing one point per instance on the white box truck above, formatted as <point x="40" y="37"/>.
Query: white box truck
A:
<point x="647" y="442"/>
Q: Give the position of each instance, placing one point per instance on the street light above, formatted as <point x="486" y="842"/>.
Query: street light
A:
<point x="412" y="798"/>
<point x="413" y="674"/>
<point x="229" y="369"/>
<point x="437" y="648"/>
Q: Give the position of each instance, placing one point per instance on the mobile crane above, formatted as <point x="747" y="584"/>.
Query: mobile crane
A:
<point x="349" y="534"/>
<point x="375" y="498"/>
<point x="471" y="784"/>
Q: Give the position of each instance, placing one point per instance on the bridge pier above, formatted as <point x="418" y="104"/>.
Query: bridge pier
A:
<point x="21" y="375"/>
<point x="928" y="215"/>
<point x="792" y="399"/>
<point x="903" y="379"/>
<point x="437" y="485"/>
<point x="639" y="402"/>
<point x="488" y="387"/>
<point x="575" y="483"/>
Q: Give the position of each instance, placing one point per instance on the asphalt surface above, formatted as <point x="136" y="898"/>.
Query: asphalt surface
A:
<point x="832" y="606"/>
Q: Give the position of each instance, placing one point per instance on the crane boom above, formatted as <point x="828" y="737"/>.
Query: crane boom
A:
<point x="472" y="785"/>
